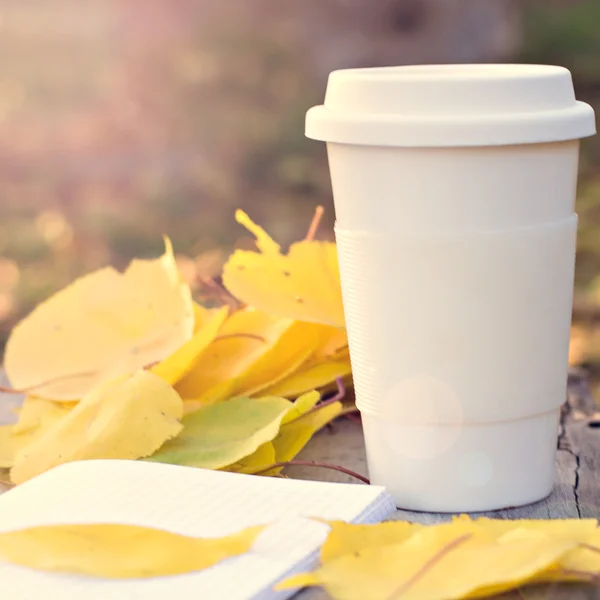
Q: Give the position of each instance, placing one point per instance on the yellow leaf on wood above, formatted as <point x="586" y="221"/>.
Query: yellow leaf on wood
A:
<point x="333" y="343"/>
<point x="303" y="284"/>
<point x="570" y="529"/>
<point x="295" y="435"/>
<point x="182" y="361"/>
<point x="36" y="417"/>
<point x="580" y="564"/>
<point x="345" y="538"/>
<point x="257" y="461"/>
<point x="438" y="562"/>
<point x="329" y="362"/>
<point x="301" y="406"/>
<point x="104" y="325"/>
<point x="114" y="551"/>
<point x="39" y="413"/>
<point x="249" y="348"/>
<point x="220" y="435"/>
<point x="293" y="348"/>
<point x="8" y="446"/>
<point x="311" y="377"/>
<point x="128" y="418"/>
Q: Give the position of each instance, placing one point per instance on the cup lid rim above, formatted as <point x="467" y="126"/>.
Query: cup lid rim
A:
<point x="450" y="105"/>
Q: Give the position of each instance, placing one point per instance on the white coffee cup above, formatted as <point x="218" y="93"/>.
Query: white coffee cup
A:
<point x="454" y="190"/>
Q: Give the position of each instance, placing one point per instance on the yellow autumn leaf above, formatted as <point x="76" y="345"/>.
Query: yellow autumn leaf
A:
<point x="104" y="325"/>
<point x="333" y="343"/>
<point x="293" y="348"/>
<point x="310" y="377"/>
<point x="115" y="551"/>
<point x="254" y="350"/>
<point x="176" y="366"/>
<point x="294" y="436"/>
<point x="570" y="529"/>
<point x="128" y="418"/>
<point x="36" y="416"/>
<point x="578" y="564"/>
<point x="345" y="538"/>
<point x="217" y="393"/>
<point x="303" y="284"/>
<point x="8" y="446"/>
<point x="438" y="563"/>
<point x="201" y="316"/>
<point x="329" y="361"/>
<point x="301" y="406"/>
<point x="255" y="462"/>
<point x="298" y="426"/>
<point x="295" y="433"/>
<point x="221" y="434"/>
<point x="39" y="413"/>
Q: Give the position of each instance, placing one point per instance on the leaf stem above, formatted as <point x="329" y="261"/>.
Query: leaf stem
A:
<point x="314" y="225"/>
<point x="339" y="396"/>
<point x="309" y="463"/>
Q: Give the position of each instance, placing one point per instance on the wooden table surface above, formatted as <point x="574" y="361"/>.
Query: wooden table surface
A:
<point x="576" y="493"/>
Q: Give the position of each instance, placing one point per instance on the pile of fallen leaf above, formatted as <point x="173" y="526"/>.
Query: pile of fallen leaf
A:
<point x="391" y="561"/>
<point x="129" y="366"/>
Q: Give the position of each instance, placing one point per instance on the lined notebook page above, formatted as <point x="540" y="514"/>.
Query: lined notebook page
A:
<point x="191" y="502"/>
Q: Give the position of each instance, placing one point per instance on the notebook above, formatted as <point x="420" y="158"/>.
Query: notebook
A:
<point x="188" y="501"/>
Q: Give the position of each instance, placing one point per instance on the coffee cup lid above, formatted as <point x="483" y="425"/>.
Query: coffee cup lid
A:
<point x="450" y="105"/>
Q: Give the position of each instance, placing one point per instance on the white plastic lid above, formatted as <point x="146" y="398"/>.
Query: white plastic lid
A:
<point x="450" y="105"/>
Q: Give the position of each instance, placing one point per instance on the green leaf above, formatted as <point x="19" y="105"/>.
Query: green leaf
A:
<point x="221" y="434"/>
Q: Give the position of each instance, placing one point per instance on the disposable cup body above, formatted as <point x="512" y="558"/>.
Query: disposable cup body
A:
<point x="456" y="259"/>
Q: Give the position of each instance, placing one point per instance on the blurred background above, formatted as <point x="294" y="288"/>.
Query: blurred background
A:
<point x="121" y="120"/>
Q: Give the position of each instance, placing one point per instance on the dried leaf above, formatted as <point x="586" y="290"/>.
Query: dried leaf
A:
<point x="317" y="376"/>
<point x="8" y="447"/>
<point x="301" y="406"/>
<point x="255" y="350"/>
<point x="294" y="347"/>
<point x="116" y="551"/>
<point x="303" y="284"/>
<point x="185" y="358"/>
<point x="333" y="343"/>
<point x="257" y="461"/>
<point x="128" y="418"/>
<point x="569" y="529"/>
<point x="438" y="563"/>
<point x="220" y="435"/>
<point x="325" y="365"/>
<point x="39" y="413"/>
<point x="294" y="436"/>
<point x="575" y="565"/>
<point x="297" y="428"/>
<point x="580" y="562"/>
<point x="102" y="326"/>
<point x="36" y="417"/>
<point x="345" y="538"/>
